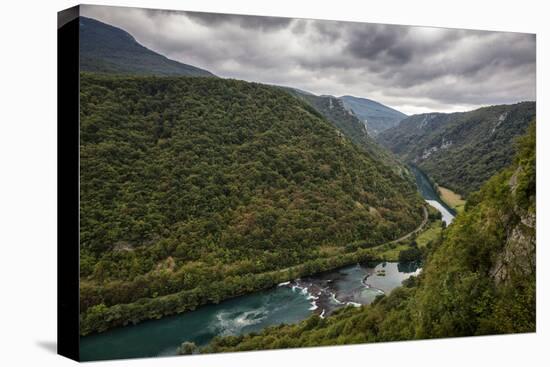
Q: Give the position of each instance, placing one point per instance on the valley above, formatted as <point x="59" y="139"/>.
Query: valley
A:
<point x="218" y="209"/>
<point x="376" y="273"/>
<point x="465" y="287"/>
<point x="460" y="151"/>
<point x="232" y="215"/>
<point x="376" y="116"/>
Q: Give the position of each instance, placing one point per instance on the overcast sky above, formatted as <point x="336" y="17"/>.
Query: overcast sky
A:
<point x="412" y="69"/>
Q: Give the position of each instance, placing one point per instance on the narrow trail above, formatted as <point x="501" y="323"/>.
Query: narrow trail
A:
<point x="422" y="225"/>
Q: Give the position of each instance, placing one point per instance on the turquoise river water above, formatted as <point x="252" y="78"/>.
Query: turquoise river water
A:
<point x="287" y="303"/>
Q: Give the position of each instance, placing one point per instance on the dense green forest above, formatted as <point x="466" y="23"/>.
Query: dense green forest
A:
<point x="479" y="278"/>
<point x="194" y="190"/>
<point x="460" y="150"/>
<point x="345" y="120"/>
<point x="333" y="110"/>
<point x="111" y="50"/>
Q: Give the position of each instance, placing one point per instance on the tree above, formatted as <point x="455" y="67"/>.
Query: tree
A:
<point x="410" y="254"/>
<point x="188" y="348"/>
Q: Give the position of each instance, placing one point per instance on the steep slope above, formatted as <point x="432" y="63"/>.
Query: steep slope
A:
<point x="376" y="116"/>
<point x="198" y="189"/>
<point x="108" y="49"/>
<point x="479" y="280"/>
<point x="346" y="121"/>
<point x="461" y="150"/>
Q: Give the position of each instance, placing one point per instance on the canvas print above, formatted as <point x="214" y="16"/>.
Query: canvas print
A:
<point x="252" y="183"/>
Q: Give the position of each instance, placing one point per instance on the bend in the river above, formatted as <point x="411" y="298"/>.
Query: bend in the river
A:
<point x="429" y="194"/>
<point x="291" y="302"/>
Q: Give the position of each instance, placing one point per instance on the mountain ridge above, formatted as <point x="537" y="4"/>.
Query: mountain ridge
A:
<point x="460" y="150"/>
<point x="377" y="116"/>
<point x="108" y="49"/>
<point x="345" y="120"/>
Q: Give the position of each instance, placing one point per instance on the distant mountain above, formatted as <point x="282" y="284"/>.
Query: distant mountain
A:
<point x="108" y="49"/>
<point x="345" y="120"/>
<point x="461" y="150"/>
<point x="376" y="116"/>
<point x="333" y="110"/>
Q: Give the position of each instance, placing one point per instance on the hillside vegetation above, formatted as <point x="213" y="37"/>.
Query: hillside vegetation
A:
<point x="461" y="151"/>
<point x="346" y="121"/>
<point x="478" y="279"/>
<point x="194" y="190"/>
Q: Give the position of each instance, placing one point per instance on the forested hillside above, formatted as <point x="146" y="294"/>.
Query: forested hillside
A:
<point x="479" y="278"/>
<point x="198" y="189"/>
<point x="461" y="150"/>
<point x="108" y="49"/>
<point x="345" y="120"/>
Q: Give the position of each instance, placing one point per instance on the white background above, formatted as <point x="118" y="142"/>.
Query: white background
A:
<point x="28" y="182"/>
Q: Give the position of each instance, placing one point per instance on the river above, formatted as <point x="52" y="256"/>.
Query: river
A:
<point x="287" y="303"/>
<point x="431" y="196"/>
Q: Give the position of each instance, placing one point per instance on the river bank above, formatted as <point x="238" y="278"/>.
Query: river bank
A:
<point x="430" y="194"/>
<point x="289" y="302"/>
<point x="102" y="318"/>
<point x="315" y="288"/>
<point x="452" y="199"/>
<point x="354" y="285"/>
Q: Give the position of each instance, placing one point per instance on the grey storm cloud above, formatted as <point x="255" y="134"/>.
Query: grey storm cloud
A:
<point x="411" y="68"/>
<point x="245" y="21"/>
<point x="373" y="42"/>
